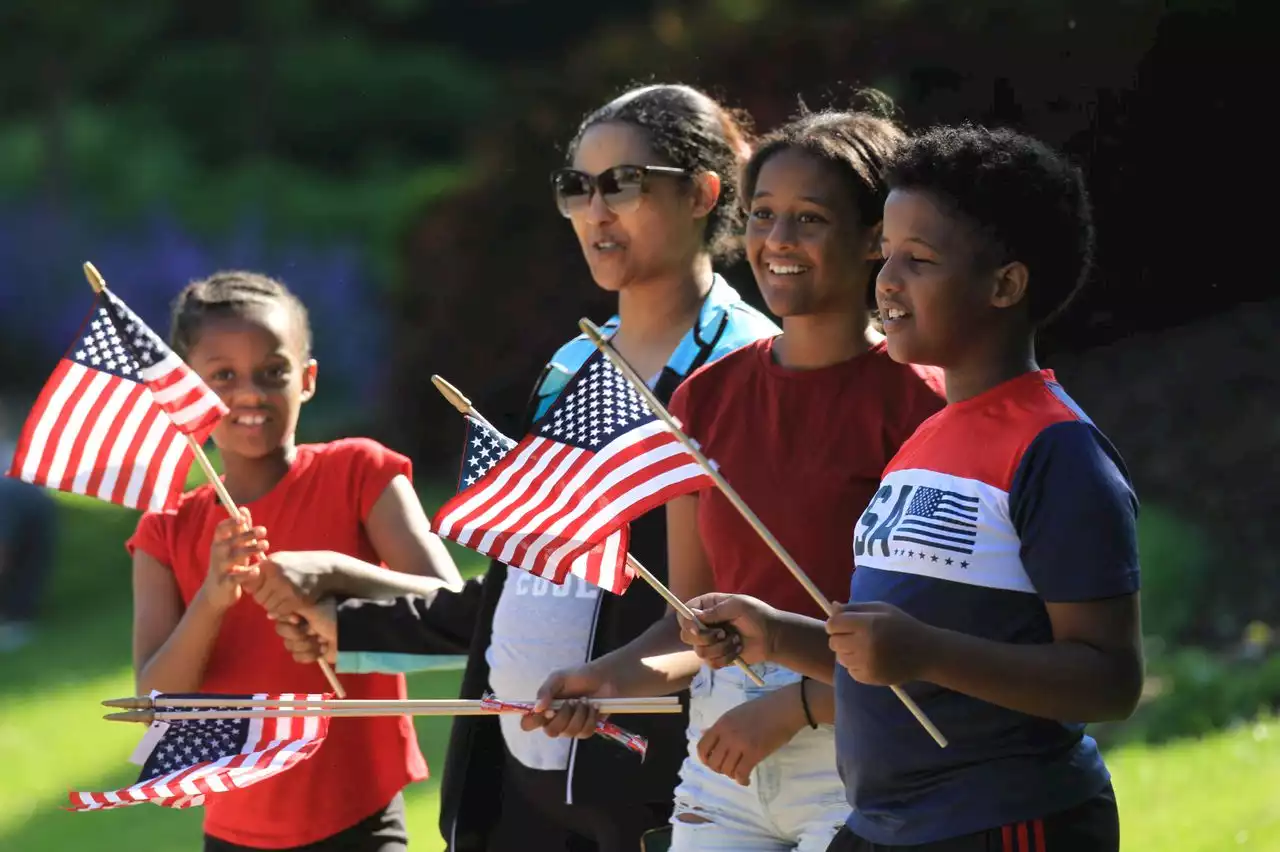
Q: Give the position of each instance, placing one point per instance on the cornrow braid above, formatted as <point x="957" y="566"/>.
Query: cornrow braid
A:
<point x="231" y="293"/>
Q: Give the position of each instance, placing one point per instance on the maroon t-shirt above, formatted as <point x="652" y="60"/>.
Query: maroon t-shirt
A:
<point x="805" y="450"/>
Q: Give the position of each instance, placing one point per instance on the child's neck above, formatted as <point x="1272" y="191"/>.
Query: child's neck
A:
<point x="248" y="479"/>
<point x="813" y="341"/>
<point x="986" y="370"/>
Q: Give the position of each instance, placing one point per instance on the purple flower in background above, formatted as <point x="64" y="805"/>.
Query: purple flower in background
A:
<point x="44" y="295"/>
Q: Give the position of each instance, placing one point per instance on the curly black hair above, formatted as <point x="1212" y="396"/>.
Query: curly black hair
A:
<point x="231" y="293"/>
<point x="690" y="130"/>
<point x="1029" y="201"/>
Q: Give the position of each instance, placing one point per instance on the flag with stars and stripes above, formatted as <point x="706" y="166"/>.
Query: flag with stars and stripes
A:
<point x="112" y="420"/>
<point x="485" y="447"/>
<point x="194" y="758"/>
<point x="595" y="461"/>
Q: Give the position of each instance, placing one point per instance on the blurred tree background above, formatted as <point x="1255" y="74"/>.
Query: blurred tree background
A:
<point x="388" y="160"/>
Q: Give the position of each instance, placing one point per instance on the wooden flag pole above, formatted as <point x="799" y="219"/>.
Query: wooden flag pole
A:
<point x="593" y="332"/>
<point x="229" y="702"/>
<point x="464" y="406"/>
<point x="365" y="709"/>
<point x="99" y="284"/>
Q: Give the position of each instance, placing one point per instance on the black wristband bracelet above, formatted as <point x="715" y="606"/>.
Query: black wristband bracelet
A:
<point x="804" y="702"/>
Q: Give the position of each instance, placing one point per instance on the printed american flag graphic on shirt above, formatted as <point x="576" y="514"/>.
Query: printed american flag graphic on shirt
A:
<point x="595" y="461"/>
<point x="196" y="758"/>
<point x="946" y="520"/>
<point x="112" y="420"/>
<point x="485" y="447"/>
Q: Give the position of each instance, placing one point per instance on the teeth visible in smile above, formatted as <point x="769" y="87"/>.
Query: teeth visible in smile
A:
<point x="251" y="420"/>
<point x="895" y="313"/>
<point x="789" y="269"/>
<point x="606" y="246"/>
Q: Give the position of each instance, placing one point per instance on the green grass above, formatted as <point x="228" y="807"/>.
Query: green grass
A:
<point x="1217" y="793"/>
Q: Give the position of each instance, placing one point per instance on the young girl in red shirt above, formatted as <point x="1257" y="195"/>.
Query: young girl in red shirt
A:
<point x="196" y="627"/>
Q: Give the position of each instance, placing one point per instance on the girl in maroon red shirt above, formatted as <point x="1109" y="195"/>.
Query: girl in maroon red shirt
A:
<point x="801" y="425"/>
<point x="196" y="627"/>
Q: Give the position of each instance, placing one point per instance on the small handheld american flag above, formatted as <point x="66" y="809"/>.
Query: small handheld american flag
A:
<point x="113" y="419"/>
<point x="598" y="459"/>
<point x="485" y="446"/>
<point x="195" y="758"/>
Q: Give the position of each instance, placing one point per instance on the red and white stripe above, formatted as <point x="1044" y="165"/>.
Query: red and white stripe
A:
<point x="189" y="402"/>
<point x="273" y="746"/>
<point x="547" y="501"/>
<point x="96" y="434"/>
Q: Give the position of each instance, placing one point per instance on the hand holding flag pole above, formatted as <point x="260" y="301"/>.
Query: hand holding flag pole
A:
<point x="99" y="286"/>
<point x="593" y="333"/>
<point x="464" y="406"/>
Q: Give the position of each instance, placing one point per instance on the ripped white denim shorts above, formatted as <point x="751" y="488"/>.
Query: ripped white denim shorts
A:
<point x="795" y="801"/>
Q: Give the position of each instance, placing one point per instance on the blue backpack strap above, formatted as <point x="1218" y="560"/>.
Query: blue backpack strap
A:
<point x="694" y="357"/>
<point x="560" y="369"/>
<point x="724" y="323"/>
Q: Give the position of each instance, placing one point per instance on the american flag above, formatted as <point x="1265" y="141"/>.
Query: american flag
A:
<point x="112" y="419"/>
<point x="485" y="447"/>
<point x="197" y="757"/>
<point x="598" y="459"/>
<point x="946" y="520"/>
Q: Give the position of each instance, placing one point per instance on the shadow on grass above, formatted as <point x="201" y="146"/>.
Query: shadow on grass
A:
<point x="48" y="828"/>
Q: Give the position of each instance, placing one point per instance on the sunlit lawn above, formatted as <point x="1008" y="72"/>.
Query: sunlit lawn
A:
<point x="1220" y="793"/>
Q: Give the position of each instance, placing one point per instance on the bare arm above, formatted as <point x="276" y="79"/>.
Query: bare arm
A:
<point x="657" y="662"/>
<point x="401" y="533"/>
<point x="171" y="646"/>
<point x="1091" y="672"/>
<point x="760" y="633"/>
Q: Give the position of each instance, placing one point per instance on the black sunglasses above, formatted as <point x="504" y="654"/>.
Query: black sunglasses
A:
<point x="620" y="187"/>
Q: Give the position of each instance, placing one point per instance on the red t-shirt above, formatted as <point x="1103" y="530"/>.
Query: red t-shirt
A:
<point x="804" y="449"/>
<point x="319" y="505"/>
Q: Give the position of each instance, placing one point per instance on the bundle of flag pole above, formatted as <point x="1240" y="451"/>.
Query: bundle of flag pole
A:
<point x="202" y="744"/>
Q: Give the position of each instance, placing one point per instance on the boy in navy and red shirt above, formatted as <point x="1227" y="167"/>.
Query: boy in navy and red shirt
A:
<point x="996" y="571"/>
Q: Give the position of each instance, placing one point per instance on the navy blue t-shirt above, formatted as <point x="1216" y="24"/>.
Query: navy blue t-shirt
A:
<point x="995" y="506"/>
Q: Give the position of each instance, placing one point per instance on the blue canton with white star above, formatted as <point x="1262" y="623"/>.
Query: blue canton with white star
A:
<point x="191" y="741"/>
<point x="115" y="341"/>
<point x="485" y="448"/>
<point x="596" y="407"/>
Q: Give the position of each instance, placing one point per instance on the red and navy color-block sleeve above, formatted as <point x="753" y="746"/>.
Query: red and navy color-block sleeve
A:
<point x="1075" y="513"/>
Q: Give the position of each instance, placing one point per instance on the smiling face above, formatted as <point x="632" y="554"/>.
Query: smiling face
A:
<point x="655" y="236"/>
<point x="939" y="292"/>
<point x="808" y="249"/>
<point x="256" y="362"/>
